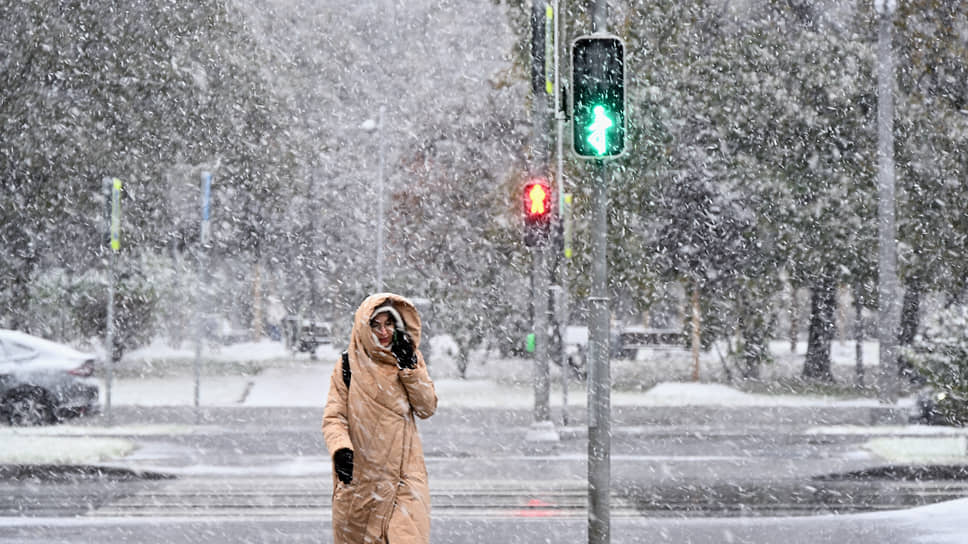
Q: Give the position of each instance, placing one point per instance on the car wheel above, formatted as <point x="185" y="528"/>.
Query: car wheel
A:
<point x="27" y="407"/>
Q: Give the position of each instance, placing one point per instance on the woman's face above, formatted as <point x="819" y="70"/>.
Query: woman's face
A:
<point x="382" y="326"/>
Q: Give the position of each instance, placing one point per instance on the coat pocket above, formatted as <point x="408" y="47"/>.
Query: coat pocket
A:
<point x="345" y="528"/>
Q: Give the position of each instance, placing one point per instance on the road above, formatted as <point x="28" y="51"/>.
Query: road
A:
<point x="679" y="475"/>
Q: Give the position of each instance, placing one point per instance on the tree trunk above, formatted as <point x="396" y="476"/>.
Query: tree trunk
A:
<point x="20" y="303"/>
<point x="910" y="319"/>
<point x="823" y="300"/>
<point x="462" y="364"/>
<point x="794" y="317"/>
<point x="858" y="336"/>
<point x="256" y="325"/>
<point x="696" y="331"/>
<point x="843" y="308"/>
<point x="754" y="345"/>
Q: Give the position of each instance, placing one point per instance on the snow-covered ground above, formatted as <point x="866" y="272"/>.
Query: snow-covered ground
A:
<point x="942" y="523"/>
<point x="307" y="385"/>
<point x="276" y="378"/>
<point x="267" y="374"/>
<point x="73" y="444"/>
<point x="37" y="449"/>
<point x="265" y="350"/>
<point x="281" y="379"/>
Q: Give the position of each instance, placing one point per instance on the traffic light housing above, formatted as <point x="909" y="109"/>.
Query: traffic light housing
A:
<point x="598" y="96"/>
<point x="537" y="211"/>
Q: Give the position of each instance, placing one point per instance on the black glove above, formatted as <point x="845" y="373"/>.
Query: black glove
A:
<point x="402" y="349"/>
<point x="343" y="461"/>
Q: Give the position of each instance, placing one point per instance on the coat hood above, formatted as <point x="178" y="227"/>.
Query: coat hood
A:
<point x="373" y="366"/>
<point x="363" y="336"/>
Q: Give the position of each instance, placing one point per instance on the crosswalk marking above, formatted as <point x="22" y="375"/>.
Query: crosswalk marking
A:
<point x="312" y="497"/>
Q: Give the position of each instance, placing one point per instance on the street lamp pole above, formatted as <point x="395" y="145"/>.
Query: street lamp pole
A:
<point x="379" y="217"/>
<point x="889" y="311"/>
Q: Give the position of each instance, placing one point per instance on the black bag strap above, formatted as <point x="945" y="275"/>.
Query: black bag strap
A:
<point x="347" y="375"/>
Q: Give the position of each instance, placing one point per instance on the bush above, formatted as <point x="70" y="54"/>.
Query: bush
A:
<point x="49" y="314"/>
<point x="134" y="305"/>
<point x="940" y="354"/>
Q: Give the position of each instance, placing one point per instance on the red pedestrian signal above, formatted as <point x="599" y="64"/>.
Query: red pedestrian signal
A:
<point x="537" y="211"/>
<point x="537" y="200"/>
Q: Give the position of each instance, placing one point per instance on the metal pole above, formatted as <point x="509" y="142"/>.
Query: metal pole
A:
<point x="112" y="199"/>
<point x="562" y="310"/>
<point x="109" y="339"/>
<point x="600" y="16"/>
<point x="313" y="290"/>
<point x="560" y="180"/>
<point x="380" y="197"/>
<point x="199" y="324"/>
<point x="696" y="330"/>
<point x="541" y="429"/>
<point x="889" y="311"/>
<point x="542" y="410"/>
<point x="599" y="378"/>
<point x="206" y="189"/>
<point x="858" y="336"/>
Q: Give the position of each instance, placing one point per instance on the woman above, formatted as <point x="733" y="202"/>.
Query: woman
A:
<point x="380" y="492"/>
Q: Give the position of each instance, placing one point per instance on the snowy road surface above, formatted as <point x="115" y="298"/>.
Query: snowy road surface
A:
<point x="941" y="524"/>
<point x="252" y="474"/>
<point x="690" y="463"/>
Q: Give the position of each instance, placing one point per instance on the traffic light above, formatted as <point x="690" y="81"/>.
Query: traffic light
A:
<point x="112" y="212"/>
<point x="598" y="96"/>
<point x="537" y="211"/>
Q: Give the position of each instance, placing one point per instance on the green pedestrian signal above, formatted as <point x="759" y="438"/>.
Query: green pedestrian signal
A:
<point x="598" y="137"/>
<point x="598" y="96"/>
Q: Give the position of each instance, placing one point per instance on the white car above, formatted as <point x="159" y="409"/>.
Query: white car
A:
<point x="43" y="381"/>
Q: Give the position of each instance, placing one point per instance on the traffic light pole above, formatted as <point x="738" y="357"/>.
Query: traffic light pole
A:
<point x="599" y="375"/>
<point x="380" y="198"/>
<point x="112" y="195"/>
<point x="542" y="429"/>
<point x="560" y="260"/>
<point x="109" y="339"/>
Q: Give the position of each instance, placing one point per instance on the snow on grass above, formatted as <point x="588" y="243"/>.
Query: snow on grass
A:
<point x="893" y="430"/>
<point x="119" y="430"/>
<point x="79" y="443"/>
<point x="262" y="350"/>
<point x="921" y="450"/>
<point x="712" y="394"/>
<point x="290" y="387"/>
<point x="177" y="391"/>
<point x="308" y="386"/>
<point x="481" y="394"/>
<point x="487" y="393"/>
<point x="158" y="349"/>
<point x="17" y="448"/>
<point x="656" y="378"/>
<point x="942" y="523"/>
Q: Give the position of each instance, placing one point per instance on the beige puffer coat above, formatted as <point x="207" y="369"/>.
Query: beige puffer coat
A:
<point x="388" y="500"/>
